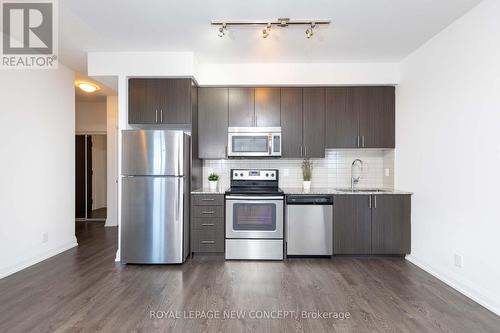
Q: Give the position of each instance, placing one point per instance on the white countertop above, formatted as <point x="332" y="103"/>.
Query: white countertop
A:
<point x="337" y="191"/>
<point x="206" y="190"/>
<point x="315" y="190"/>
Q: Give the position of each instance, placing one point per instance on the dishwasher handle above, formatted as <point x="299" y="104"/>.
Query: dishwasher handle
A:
<point x="309" y="200"/>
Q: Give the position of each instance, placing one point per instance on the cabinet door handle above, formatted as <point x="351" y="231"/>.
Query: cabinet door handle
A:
<point x="363" y="141"/>
<point x="208" y="212"/>
<point x="161" y="115"/>
<point x="156" y="116"/>
<point x="305" y="151"/>
<point x="375" y="201"/>
<point x="207" y="199"/>
<point x="208" y="224"/>
<point x="301" y="151"/>
<point x="358" y="142"/>
<point x="370" y="201"/>
<point x="207" y="242"/>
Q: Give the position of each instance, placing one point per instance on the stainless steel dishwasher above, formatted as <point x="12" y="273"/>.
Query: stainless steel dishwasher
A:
<point x="309" y="225"/>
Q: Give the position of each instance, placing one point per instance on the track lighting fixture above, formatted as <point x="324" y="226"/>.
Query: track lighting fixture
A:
<point x="281" y="22"/>
<point x="310" y="31"/>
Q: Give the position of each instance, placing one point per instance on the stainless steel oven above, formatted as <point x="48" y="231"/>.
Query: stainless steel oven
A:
<point x="254" y="141"/>
<point x="254" y="217"/>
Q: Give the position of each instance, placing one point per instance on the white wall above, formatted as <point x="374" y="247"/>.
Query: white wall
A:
<point x="285" y="74"/>
<point x="90" y="117"/>
<point x="99" y="168"/>
<point x="37" y="169"/>
<point x="112" y="149"/>
<point x="448" y="152"/>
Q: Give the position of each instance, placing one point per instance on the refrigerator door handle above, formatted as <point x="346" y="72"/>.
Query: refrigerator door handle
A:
<point x="178" y="199"/>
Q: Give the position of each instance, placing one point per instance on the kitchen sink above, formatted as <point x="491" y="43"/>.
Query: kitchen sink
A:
<point x="361" y="190"/>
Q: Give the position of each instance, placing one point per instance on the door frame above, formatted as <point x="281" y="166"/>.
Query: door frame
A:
<point x="89" y="134"/>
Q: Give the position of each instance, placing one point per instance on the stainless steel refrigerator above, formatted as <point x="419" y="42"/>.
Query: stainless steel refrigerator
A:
<point x="155" y="196"/>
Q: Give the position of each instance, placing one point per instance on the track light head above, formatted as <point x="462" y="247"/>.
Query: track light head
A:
<point x="267" y="31"/>
<point x="310" y="31"/>
<point x="222" y="30"/>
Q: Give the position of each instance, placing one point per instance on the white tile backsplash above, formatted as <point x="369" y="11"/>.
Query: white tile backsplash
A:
<point x="332" y="171"/>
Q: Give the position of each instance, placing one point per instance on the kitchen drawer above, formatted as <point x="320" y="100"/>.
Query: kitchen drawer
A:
<point x="208" y="240"/>
<point x="208" y="199"/>
<point x="208" y="223"/>
<point x="208" y="211"/>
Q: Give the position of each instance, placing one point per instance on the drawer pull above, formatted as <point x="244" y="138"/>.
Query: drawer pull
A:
<point x="208" y="212"/>
<point x="208" y="224"/>
<point x="207" y="199"/>
<point x="207" y="242"/>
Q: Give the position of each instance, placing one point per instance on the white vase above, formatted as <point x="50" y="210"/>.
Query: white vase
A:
<point x="306" y="185"/>
<point x="212" y="185"/>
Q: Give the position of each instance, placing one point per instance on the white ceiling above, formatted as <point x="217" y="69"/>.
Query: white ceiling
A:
<point x="361" y="30"/>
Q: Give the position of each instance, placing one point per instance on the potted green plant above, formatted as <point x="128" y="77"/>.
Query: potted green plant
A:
<point x="307" y="167"/>
<point x="213" y="180"/>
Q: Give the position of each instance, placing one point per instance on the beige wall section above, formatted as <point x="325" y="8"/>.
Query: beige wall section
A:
<point x="112" y="158"/>
<point x="90" y="117"/>
<point x="99" y="182"/>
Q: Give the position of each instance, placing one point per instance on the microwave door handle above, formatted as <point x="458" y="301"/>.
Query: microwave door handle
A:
<point x="270" y="146"/>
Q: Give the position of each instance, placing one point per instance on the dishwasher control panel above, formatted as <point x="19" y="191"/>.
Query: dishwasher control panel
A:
<point x="309" y="200"/>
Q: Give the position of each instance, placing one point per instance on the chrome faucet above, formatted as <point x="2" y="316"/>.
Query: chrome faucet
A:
<point x="354" y="180"/>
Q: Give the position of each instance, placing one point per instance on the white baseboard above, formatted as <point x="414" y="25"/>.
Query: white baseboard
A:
<point x="36" y="259"/>
<point x="110" y="223"/>
<point x="464" y="287"/>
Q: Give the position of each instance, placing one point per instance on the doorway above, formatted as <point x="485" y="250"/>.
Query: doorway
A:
<point x="91" y="177"/>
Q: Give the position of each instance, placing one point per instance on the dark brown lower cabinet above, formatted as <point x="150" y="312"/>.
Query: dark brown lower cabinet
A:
<point x="391" y="215"/>
<point x="372" y="224"/>
<point x="352" y="224"/>
<point x="207" y="223"/>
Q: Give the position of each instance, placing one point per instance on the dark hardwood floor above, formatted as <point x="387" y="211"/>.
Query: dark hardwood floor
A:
<point x="99" y="213"/>
<point x="84" y="290"/>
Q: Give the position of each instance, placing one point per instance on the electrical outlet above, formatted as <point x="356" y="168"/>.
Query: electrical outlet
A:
<point x="45" y="237"/>
<point x="458" y="261"/>
<point x="286" y="172"/>
<point x="387" y="172"/>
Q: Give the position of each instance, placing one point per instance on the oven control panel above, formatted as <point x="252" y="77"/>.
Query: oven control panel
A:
<point x="245" y="174"/>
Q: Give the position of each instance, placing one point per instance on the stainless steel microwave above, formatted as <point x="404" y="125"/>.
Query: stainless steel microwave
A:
<point x="254" y="141"/>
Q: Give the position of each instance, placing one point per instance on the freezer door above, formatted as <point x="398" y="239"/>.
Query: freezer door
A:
<point x="152" y="220"/>
<point x="153" y="152"/>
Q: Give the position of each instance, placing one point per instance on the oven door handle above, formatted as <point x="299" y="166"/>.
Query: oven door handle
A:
<point x="243" y="198"/>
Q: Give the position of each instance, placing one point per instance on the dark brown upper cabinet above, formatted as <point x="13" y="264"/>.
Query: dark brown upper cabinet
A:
<point x="314" y="122"/>
<point x="360" y="117"/>
<point x="241" y="107"/>
<point x="377" y="117"/>
<point x="391" y="224"/>
<point x="143" y="102"/>
<point x="291" y="122"/>
<point x="160" y="101"/>
<point x="342" y="122"/>
<point x="267" y="107"/>
<point x="212" y="122"/>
